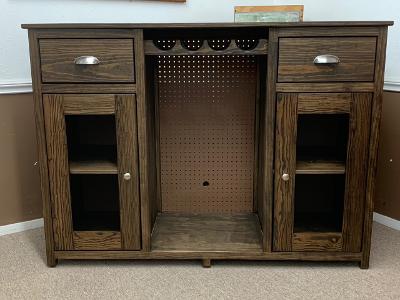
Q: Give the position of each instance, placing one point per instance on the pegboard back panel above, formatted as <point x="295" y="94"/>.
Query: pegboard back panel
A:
<point x="206" y="119"/>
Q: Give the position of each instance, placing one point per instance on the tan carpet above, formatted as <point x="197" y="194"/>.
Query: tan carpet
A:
<point x="24" y="275"/>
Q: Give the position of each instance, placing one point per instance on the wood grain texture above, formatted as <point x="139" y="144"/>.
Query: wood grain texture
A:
<point x="41" y="148"/>
<point x="323" y="31"/>
<point x="320" y="24"/>
<point x="128" y="163"/>
<point x="356" y="54"/>
<point x="323" y="103"/>
<point x="97" y="240"/>
<point x="91" y="88"/>
<point x="226" y="255"/>
<point x="285" y="162"/>
<point x="267" y="140"/>
<point x="145" y="142"/>
<point x="206" y="262"/>
<point x="116" y="60"/>
<point x="205" y="49"/>
<point x="153" y="125"/>
<point x="180" y="232"/>
<point x="57" y="156"/>
<point x="320" y="167"/>
<point x="84" y="33"/>
<point x="326" y="87"/>
<point x="317" y="241"/>
<point x="374" y="145"/>
<point x="93" y="167"/>
<point x="357" y="168"/>
<point x="88" y="104"/>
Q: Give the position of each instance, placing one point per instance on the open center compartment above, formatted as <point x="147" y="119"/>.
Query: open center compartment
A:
<point x="206" y="102"/>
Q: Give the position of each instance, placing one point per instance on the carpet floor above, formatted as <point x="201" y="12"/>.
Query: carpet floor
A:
<point x="24" y="275"/>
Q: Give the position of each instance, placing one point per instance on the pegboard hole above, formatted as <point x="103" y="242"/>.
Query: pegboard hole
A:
<point x="192" y="44"/>
<point x="219" y="44"/>
<point x="246" y="44"/>
<point x="206" y="183"/>
<point x="164" y="44"/>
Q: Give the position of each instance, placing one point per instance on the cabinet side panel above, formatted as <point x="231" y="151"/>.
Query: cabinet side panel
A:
<point x="285" y="162"/>
<point x="266" y="188"/>
<point x="41" y="144"/>
<point x="144" y="142"/>
<point x="374" y="143"/>
<point x="57" y="155"/>
<point x="127" y="163"/>
<point x="152" y="121"/>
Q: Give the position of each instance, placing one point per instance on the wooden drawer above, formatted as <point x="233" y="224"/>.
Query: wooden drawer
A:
<point x="116" y="60"/>
<point x="356" y="55"/>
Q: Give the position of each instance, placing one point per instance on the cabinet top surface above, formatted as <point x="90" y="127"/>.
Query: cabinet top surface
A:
<point x="202" y="25"/>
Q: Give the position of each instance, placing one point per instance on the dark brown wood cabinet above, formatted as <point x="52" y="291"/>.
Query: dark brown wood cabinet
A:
<point x="91" y="143"/>
<point x="208" y="141"/>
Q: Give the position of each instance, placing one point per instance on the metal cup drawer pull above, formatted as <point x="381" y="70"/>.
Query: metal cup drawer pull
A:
<point x="326" y="59"/>
<point x="86" y="60"/>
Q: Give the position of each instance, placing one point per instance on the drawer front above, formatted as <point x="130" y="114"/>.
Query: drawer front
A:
<point x="356" y="59"/>
<point x="115" y="60"/>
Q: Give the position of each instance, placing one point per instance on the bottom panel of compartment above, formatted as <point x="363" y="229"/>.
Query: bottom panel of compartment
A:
<point x="205" y="232"/>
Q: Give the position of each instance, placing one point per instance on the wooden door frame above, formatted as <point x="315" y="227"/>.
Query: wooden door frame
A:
<point x="289" y="105"/>
<point x="123" y="106"/>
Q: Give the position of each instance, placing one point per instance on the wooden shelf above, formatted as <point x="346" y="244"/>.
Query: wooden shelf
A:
<point x="205" y="49"/>
<point x="200" y="232"/>
<point x="93" y="167"/>
<point x="320" y="167"/>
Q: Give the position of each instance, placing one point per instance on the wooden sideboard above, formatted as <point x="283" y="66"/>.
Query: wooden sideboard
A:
<point x="254" y="141"/>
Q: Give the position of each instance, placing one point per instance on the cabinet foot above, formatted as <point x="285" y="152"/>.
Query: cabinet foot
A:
<point x="52" y="262"/>
<point x="206" y="262"/>
<point x="364" y="264"/>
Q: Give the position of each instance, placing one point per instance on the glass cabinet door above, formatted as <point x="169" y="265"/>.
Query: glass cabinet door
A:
<point x="320" y="171"/>
<point x="92" y="153"/>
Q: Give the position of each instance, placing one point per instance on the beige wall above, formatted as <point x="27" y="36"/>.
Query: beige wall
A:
<point x="19" y="178"/>
<point x="387" y="201"/>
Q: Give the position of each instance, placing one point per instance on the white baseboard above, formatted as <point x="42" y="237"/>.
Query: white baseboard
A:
<point x="391" y="86"/>
<point x="387" y="221"/>
<point x="22" y="226"/>
<point x="15" y="87"/>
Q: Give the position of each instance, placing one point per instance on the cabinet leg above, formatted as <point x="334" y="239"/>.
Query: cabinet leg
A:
<point x="206" y="263"/>
<point x="51" y="261"/>
<point x="364" y="263"/>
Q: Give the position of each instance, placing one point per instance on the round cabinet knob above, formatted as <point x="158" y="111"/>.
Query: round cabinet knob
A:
<point x="285" y="177"/>
<point x="334" y="240"/>
<point x="127" y="176"/>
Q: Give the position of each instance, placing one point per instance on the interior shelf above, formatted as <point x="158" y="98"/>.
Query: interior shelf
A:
<point x="93" y="167"/>
<point x="204" y="47"/>
<point x="206" y="232"/>
<point x="320" y="167"/>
